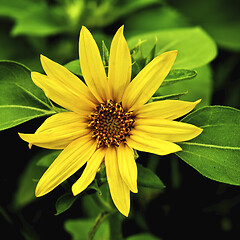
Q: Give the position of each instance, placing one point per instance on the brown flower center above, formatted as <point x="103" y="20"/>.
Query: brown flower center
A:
<point x="110" y="124"/>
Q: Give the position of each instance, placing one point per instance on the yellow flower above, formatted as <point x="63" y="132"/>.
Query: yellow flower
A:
<point x="108" y="117"/>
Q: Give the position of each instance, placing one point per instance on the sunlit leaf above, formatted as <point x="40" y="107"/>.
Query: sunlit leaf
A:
<point x="20" y="99"/>
<point x="195" y="47"/>
<point x="215" y="153"/>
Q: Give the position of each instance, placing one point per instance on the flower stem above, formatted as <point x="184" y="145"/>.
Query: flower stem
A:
<point x="115" y="225"/>
<point x="100" y="218"/>
<point x="108" y="210"/>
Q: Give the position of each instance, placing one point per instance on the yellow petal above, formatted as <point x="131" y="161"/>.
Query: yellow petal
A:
<point x="120" y="66"/>
<point x="89" y="172"/>
<point x="145" y="84"/>
<point x="64" y="77"/>
<point x="118" y="189"/>
<point x="91" y="65"/>
<point x="166" y="129"/>
<point x="170" y="109"/>
<point x="62" y="95"/>
<point x="145" y="143"/>
<point x="71" y="159"/>
<point x="127" y="166"/>
<point x="58" y="131"/>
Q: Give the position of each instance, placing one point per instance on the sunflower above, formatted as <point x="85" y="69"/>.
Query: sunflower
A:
<point x="107" y="118"/>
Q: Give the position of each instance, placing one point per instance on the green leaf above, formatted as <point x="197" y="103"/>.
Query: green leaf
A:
<point x="195" y="47"/>
<point x="41" y="21"/>
<point x="20" y="99"/>
<point x="154" y="19"/>
<point x="215" y="153"/>
<point x="74" y="67"/>
<point x="143" y="236"/>
<point x="27" y="184"/>
<point x="16" y="9"/>
<point x="174" y="96"/>
<point x="177" y="75"/>
<point x="220" y="19"/>
<point x="147" y="178"/>
<point x="79" y="229"/>
<point x="108" y="12"/>
<point x="199" y="87"/>
<point x="64" y="202"/>
<point x="47" y="157"/>
<point x="226" y="34"/>
<point x="105" y="54"/>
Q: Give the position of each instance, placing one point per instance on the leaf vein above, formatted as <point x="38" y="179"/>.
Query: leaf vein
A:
<point x="211" y="146"/>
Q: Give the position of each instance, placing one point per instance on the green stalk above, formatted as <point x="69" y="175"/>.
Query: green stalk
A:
<point x="100" y="218"/>
<point x="109" y="211"/>
<point x="115" y="224"/>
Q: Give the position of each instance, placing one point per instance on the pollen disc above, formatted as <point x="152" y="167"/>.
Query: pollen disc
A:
<point x="110" y="123"/>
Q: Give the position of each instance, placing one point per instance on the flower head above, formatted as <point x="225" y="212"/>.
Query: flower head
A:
<point x="107" y="118"/>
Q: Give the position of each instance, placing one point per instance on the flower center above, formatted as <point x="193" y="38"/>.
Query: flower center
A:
<point x="110" y="123"/>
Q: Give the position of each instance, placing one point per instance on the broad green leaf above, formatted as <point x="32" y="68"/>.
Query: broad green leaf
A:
<point x="18" y="106"/>
<point x="64" y="202"/>
<point x="195" y="47"/>
<point x="143" y="236"/>
<point x="147" y="178"/>
<point x="215" y="153"/>
<point x="199" y="87"/>
<point x="80" y="228"/>
<point x="27" y="182"/>
<point x="20" y="99"/>
<point x="14" y="72"/>
<point x="177" y="75"/>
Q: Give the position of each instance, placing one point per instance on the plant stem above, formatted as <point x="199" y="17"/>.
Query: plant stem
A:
<point x="113" y="217"/>
<point x="100" y="218"/>
<point x="115" y="225"/>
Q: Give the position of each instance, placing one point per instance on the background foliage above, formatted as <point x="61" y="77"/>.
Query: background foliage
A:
<point x="185" y="202"/>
